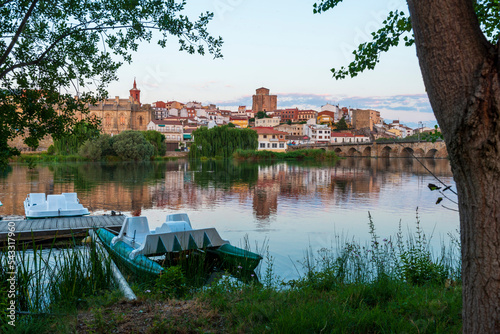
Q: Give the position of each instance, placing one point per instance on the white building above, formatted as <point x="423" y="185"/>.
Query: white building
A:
<point x="317" y="133"/>
<point x="172" y="130"/>
<point x="267" y="122"/>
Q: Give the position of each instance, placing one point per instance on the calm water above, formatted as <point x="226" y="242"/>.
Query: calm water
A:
<point x="291" y="206"/>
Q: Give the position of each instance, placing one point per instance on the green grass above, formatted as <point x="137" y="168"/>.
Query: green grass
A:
<point x="312" y="154"/>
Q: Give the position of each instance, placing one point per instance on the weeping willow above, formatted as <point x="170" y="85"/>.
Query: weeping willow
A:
<point x="222" y="141"/>
<point x="70" y="143"/>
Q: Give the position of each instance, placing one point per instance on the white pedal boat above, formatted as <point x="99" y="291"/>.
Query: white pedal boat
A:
<point x="36" y="205"/>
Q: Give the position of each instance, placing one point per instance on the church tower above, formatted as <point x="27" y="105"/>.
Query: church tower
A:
<point x="135" y="93"/>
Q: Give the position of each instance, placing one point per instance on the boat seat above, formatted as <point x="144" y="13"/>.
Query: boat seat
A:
<point x="178" y="217"/>
<point x="173" y="227"/>
<point x="37" y="199"/>
<point x="56" y="202"/>
<point x="133" y="228"/>
<point x="71" y="197"/>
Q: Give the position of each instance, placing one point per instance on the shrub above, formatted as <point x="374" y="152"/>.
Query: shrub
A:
<point x="132" y="145"/>
<point x="51" y="150"/>
<point x="90" y="150"/>
<point x="157" y="140"/>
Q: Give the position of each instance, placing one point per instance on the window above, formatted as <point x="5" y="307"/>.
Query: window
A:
<point x="282" y="145"/>
<point x="267" y="145"/>
<point x="265" y="136"/>
<point x="275" y="145"/>
<point x="262" y="145"/>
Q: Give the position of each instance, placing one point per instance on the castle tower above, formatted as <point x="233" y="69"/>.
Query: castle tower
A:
<point x="135" y="93"/>
<point x="262" y="101"/>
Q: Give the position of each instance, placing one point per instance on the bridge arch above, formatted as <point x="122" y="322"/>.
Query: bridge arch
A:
<point x="431" y="153"/>
<point x="386" y="152"/>
<point x="338" y="152"/>
<point x="367" y="152"/>
<point x="406" y="152"/>
<point x="353" y="152"/>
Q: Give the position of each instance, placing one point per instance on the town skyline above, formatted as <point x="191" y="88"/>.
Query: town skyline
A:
<point x="283" y="46"/>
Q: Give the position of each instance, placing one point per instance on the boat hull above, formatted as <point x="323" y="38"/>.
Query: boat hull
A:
<point x="121" y="251"/>
<point x="234" y="258"/>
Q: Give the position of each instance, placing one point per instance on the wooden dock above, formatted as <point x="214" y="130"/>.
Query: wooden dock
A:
<point x="48" y="229"/>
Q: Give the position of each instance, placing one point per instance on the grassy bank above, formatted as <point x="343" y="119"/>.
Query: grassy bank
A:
<point x="254" y="155"/>
<point x="390" y="285"/>
<point x="34" y="158"/>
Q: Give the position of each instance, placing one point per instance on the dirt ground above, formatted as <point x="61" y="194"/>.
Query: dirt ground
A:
<point x="171" y="316"/>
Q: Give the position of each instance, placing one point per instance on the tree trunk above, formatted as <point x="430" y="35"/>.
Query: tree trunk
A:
<point x="460" y="69"/>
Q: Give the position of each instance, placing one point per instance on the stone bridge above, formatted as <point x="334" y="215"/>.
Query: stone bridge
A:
<point x="420" y="149"/>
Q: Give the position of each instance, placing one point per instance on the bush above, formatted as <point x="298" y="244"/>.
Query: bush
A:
<point x="51" y="150"/>
<point x="132" y="145"/>
<point x="157" y="140"/>
<point x="95" y="149"/>
<point x="90" y="150"/>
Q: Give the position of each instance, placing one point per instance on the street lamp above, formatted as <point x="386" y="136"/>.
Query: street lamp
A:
<point x="420" y="125"/>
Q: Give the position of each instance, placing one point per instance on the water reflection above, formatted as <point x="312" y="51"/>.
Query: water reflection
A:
<point x="198" y="185"/>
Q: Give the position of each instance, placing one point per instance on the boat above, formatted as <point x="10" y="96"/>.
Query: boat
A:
<point x="37" y="205"/>
<point x="136" y="245"/>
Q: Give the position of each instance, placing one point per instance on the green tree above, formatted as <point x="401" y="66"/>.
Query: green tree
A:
<point x="341" y="124"/>
<point x="79" y="134"/>
<point x="156" y="139"/>
<point x="289" y="122"/>
<point x="51" y="51"/>
<point x="261" y="114"/>
<point x="131" y="145"/>
<point x="222" y="141"/>
<point x="458" y="52"/>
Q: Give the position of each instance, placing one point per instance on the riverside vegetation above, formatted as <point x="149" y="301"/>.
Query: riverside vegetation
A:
<point x="391" y="285"/>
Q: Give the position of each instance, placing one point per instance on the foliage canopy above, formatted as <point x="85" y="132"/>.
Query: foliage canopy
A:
<point x="50" y="51"/>
<point x="222" y="141"/>
<point x="397" y="29"/>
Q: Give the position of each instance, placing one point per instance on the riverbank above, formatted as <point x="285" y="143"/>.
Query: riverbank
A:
<point x="391" y="286"/>
<point x="36" y="157"/>
<point x="306" y="154"/>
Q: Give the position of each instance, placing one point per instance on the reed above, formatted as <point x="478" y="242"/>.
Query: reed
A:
<point x="52" y="282"/>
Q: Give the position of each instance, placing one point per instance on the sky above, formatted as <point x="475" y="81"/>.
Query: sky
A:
<point x="283" y="46"/>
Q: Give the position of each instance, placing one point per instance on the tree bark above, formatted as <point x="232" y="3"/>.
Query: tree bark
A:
<point x="460" y="69"/>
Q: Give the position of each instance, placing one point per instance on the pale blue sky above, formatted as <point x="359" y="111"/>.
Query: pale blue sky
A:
<point x="283" y="46"/>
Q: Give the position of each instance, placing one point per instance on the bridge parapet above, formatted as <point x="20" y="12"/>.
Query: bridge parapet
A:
<point x="420" y="149"/>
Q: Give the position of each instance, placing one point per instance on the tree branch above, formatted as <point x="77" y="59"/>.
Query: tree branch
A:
<point x="18" y="32"/>
<point x="60" y="38"/>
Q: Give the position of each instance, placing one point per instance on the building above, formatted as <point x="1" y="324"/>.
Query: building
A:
<point x="292" y="129"/>
<point x="172" y="129"/>
<point x="271" y="139"/>
<point x="240" y="121"/>
<point x="361" y="119"/>
<point x="118" y="114"/>
<point x="262" y="101"/>
<point x="326" y="117"/>
<point x="305" y="115"/>
<point x="317" y="133"/>
<point x="267" y="122"/>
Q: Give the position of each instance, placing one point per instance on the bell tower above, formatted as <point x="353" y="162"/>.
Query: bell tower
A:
<point x="135" y="93"/>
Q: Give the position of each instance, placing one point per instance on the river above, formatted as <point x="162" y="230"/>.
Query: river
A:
<point x="288" y="207"/>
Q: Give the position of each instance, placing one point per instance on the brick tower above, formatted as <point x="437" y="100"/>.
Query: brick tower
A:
<point x="135" y="93"/>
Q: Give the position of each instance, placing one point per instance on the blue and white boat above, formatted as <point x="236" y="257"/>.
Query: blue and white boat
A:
<point x="136" y="243"/>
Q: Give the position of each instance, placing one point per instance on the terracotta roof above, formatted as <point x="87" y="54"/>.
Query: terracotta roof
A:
<point x="261" y="130"/>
